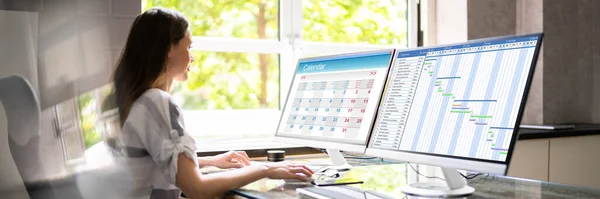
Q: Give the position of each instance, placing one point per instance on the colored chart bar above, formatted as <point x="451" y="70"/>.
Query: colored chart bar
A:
<point x="460" y="111"/>
<point x="481" y="116"/>
<point x="461" y="108"/>
<point x="448" y="78"/>
<point x="474" y="100"/>
<point x="506" y="128"/>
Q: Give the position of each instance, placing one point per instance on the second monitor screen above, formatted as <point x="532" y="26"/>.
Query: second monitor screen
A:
<point x="458" y="100"/>
<point x="335" y="98"/>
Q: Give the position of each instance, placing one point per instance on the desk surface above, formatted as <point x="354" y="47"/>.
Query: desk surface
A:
<point x="579" y="130"/>
<point x="388" y="177"/>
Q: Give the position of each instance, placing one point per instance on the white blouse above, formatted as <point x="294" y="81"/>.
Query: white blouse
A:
<point x="150" y="141"/>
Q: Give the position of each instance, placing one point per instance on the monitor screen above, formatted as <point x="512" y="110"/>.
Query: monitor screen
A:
<point x="458" y="101"/>
<point x="335" y="98"/>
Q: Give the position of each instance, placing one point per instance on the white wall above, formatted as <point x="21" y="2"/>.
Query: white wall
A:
<point x="18" y="44"/>
<point x="64" y="47"/>
<point x="451" y="21"/>
<point x="79" y="44"/>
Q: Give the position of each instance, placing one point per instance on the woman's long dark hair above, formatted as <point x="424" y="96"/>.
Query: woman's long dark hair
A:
<point x="142" y="64"/>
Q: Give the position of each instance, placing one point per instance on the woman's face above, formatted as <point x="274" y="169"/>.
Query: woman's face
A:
<point x="180" y="58"/>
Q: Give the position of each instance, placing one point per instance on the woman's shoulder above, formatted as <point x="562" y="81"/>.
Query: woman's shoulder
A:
<point x="154" y="104"/>
<point x="153" y="99"/>
<point x="156" y="94"/>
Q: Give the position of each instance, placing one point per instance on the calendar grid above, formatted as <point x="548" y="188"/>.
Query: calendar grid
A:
<point x="335" y="98"/>
<point x="330" y="107"/>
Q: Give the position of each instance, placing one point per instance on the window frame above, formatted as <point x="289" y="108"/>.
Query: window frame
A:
<point x="290" y="48"/>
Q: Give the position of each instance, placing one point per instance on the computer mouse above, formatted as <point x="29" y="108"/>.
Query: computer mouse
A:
<point x="322" y="170"/>
<point x="331" y="170"/>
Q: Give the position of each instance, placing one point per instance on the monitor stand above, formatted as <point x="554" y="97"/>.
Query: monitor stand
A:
<point x="455" y="186"/>
<point x="338" y="161"/>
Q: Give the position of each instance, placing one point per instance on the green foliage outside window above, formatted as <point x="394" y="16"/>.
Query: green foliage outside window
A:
<point x="251" y="80"/>
<point x="87" y="110"/>
<point x="355" y="21"/>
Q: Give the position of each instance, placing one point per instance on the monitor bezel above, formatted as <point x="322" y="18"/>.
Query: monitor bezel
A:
<point x="319" y="143"/>
<point x="490" y="166"/>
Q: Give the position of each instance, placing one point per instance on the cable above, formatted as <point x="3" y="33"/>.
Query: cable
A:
<point x="353" y="156"/>
<point x="361" y="158"/>
<point x="356" y="157"/>
<point x="411" y="166"/>
<point x="470" y="176"/>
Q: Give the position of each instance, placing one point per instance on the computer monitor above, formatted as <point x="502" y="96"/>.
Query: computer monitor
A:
<point x="455" y="106"/>
<point x="333" y="100"/>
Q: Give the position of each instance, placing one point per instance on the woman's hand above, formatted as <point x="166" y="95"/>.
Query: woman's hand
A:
<point x="231" y="159"/>
<point x="288" y="171"/>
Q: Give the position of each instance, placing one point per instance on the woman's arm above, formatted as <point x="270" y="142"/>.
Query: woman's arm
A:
<point x="231" y="159"/>
<point x="205" y="161"/>
<point x="195" y="185"/>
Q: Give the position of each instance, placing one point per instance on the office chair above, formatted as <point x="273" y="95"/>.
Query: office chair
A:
<point x="20" y="153"/>
<point x="22" y="170"/>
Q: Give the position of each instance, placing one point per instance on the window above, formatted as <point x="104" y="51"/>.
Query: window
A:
<point x="68" y="127"/>
<point x="245" y="53"/>
<point x="88" y="117"/>
<point x="230" y="81"/>
<point x="82" y="122"/>
<point x="226" y="18"/>
<point x="386" y="22"/>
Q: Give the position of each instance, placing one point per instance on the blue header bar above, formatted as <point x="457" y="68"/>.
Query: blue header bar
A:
<point x="414" y="53"/>
<point x="516" y="42"/>
<point x="346" y="62"/>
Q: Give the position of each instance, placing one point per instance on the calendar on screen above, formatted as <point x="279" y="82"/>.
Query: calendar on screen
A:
<point x="335" y="97"/>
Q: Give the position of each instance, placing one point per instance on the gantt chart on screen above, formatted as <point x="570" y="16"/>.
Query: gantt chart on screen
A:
<point x="458" y="100"/>
<point x="335" y="98"/>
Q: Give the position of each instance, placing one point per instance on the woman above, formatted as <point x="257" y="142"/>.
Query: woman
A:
<point x="158" y="151"/>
